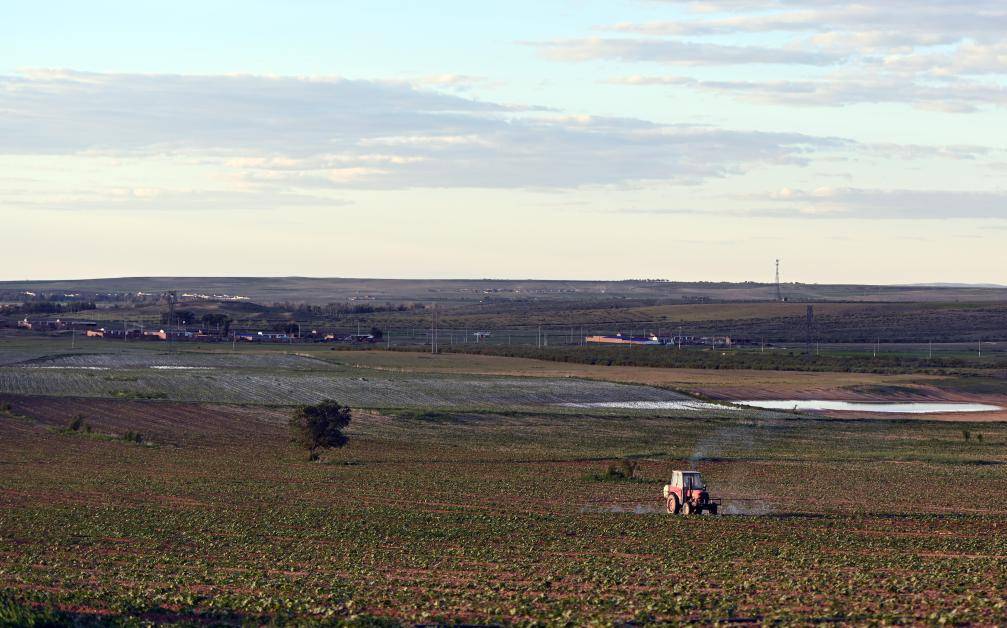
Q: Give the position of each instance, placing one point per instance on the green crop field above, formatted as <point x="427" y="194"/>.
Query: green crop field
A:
<point x="483" y="518"/>
<point x="469" y="499"/>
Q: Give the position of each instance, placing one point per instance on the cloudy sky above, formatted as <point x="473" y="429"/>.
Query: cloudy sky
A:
<point x="534" y="138"/>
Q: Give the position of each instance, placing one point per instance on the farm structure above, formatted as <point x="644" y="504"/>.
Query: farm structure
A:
<point x="654" y="340"/>
<point x="619" y="339"/>
<point x="56" y="324"/>
<point x="91" y="329"/>
<point x="262" y="336"/>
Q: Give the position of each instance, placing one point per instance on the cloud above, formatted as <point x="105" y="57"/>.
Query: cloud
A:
<point x="841" y="90"/>
<point x="457" y="82"/>
<point x="300" y="134"/>
<point x="676" y="52"/>
<point x="893" y="22"/>
<point x="930" y="54"/>
<point x="258" y="143"/>
<point x="889" y="204"/>
<point x="850" y="203"/>
<point x="161" y="199"/>
<point x="65" y="111"/>
<point x="968" y="59"/>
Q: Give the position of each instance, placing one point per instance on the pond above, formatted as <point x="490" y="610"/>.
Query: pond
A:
<point x="798" y="404"/>
<point x="652" y="405"/>
<point x="870" y="406"/>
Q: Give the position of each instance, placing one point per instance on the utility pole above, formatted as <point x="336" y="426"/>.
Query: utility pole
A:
<point x="433" y="332"/>
<point x="779" y="292"/>
<point x="172" y="297"/>
<point x="810" y="330"/>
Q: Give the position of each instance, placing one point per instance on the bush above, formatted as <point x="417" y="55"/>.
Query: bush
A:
<point x="76" y="423"/>
<point x="133" y="437"/>
<point x="621" y="471"/>
<point x="624" y="469"/>
<point x="320" y="426"/>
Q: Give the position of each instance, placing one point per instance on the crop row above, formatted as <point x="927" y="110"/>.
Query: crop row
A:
<point x="160" y="358"/>
<point x="294" y="387"/>
<point x="423" y="520"/>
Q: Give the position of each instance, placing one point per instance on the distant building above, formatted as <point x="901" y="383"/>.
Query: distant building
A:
<point x="262" y="336"/>
<point x="56" y="324"/>
<point x="716" y="341"/>
<point x="619" y="339"/>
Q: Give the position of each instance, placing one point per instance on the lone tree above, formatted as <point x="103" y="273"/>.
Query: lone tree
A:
<point x="320" y="426"/>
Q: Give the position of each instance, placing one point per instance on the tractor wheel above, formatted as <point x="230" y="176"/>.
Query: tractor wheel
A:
<point x="673" y="505"/>
<point x="688" y="508"/>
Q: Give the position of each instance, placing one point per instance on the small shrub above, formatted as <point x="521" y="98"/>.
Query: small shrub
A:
<point x="133" y="437"/>
<point x="141" y="395"/>
<point x="623" y="470"/>
<point x="6" y="408"/>
<point x="76" y="423"/>
<point x="431" y="416"/>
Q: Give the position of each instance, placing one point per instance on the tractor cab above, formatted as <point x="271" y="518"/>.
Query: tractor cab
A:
<point x="691" y="480"/>
<point x="687" y="494"/>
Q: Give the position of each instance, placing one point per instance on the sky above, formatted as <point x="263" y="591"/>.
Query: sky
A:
<point x="567" y="139"/>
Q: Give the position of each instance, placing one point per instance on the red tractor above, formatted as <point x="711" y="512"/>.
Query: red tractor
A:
<point x="687" y="494"/>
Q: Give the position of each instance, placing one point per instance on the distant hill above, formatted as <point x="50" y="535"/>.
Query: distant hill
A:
<point x="324" y="290"/>
<point x="957" y="285"/>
